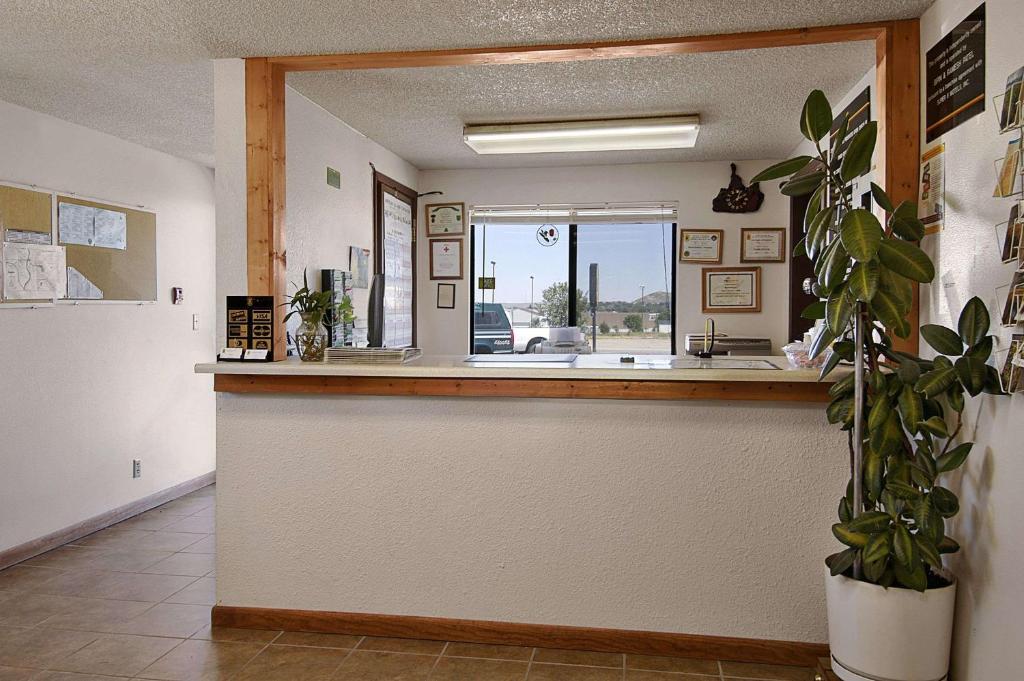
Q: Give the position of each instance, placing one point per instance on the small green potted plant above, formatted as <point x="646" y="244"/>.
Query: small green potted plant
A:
<point x="890" y="598"/>
<point x="313" y="308"/>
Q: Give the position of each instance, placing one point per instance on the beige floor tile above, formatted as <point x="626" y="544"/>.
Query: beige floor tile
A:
<point x="466" y="669"/>
<point x="210" y="512"/>
<point x="562" y="672"/>
<point x="168" y="619"/>
<point x="315" y="640"/>
<point x="187" y="564"/>
<point x="27" y="609"/>
<point x="193" y="524"/>
<point x="401" y="645"/>
<point x="92" y="614"/>
<point x="125" y="586"/>
<point x="117" y="655"/>
<point x="71" y="676"/>
<point x="210" y="633"/>
<point x="374" y="666"/>
<point x="200" y="592"/>
<point x="125" y="560"/>
<point x="581" y="657"/>
<point x="81" y="583"/>
<point x="196" y="660"/>
<point x="187" y="506"/>
<point x="66" y="558"/>
<point x="292" y="663"/>
<point x="205" y="545"/>
<point x="16" y="673"/>
<point x="671" y="664"/>
<point x="39" y="648"/>
<point x="150" y="520"/>
<point x="27" y="577"/>
<point x="637" y="675"/>
<point x="494" y="652"/>
<point x="138" y="540"/>
<point x="773" y="672"/>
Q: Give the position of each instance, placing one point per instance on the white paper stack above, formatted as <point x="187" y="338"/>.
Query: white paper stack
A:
<point x="347" y="355"/>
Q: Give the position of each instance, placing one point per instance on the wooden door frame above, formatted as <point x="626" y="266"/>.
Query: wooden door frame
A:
<point x="897" y="84"/>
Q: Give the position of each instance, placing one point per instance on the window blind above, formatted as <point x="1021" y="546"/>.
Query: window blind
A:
<point x="577" y="214"/>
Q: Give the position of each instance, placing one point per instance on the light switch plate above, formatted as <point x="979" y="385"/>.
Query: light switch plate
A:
<point x="195" y="322"/>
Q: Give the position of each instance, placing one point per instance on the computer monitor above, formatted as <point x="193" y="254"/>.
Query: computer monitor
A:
<point x="375" y="313"/>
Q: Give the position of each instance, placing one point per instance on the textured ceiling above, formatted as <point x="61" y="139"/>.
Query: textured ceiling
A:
<point x="748" y="101"/>
<point x="140" y="69"/>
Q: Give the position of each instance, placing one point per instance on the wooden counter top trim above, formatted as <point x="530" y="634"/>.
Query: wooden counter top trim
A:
<point x="523" y="387"/>
<point x="513" y="633"/>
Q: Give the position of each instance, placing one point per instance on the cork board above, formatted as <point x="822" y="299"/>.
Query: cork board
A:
<point x="24" y="210"/>
<point x="121" y="274"/>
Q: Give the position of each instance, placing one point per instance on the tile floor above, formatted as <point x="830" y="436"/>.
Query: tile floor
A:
<point x="133" y="601"/>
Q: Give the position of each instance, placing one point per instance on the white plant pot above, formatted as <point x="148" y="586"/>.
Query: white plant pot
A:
<point x="895" y="634"/>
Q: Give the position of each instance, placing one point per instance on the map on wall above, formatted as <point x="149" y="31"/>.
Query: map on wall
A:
<point x="34" y="272"/>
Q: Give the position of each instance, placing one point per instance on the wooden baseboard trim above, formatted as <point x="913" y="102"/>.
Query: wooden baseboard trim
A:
<point x="51" y="541"/>
<point x="514" y="633"/>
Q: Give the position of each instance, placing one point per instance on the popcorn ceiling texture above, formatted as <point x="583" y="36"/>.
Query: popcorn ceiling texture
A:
<point x="696" y="517"/>
<point x="747" y="101"/>
<point x="140" y="69"/>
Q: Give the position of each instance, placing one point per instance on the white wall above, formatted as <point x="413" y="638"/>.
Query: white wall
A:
<point x="989" y="626"/>
<point x="693" y="185"/>
<point x="695" y="517"/>
<point x="322" y="222"/>
<point x="229" y="150"/>
<point x="85" y="389"/>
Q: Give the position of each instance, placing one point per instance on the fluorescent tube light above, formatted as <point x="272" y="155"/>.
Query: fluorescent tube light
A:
<point x="663" y="132"/>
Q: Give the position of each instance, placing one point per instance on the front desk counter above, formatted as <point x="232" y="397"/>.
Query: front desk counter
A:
<point x="650" y="508"/>
<point x="653" y="377"/>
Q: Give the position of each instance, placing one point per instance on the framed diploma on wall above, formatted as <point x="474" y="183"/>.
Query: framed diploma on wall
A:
<point x="701" y="245"/>
<point x="762" y="245"/>
<point x="446" y="219"/>
<point x="730" y="289"/>
<point x="446" y="259"/>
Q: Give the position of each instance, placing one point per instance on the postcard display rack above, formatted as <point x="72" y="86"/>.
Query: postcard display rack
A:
<point x="1009" y="107"/>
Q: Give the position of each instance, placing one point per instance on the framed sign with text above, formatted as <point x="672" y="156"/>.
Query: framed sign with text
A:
<point x="762" y="245"/>
<point x="446" y="219"/>
<point x="701" y="245"/>
<point x="446" y="259"/>
<point x="730" y="289"/>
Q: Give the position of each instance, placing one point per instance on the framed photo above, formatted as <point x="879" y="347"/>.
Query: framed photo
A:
<point x="446" y="296"/>
<point x="730" y="289"/>
<point x="446" y="259"/>
<point x="762" y="245"/>
<point x="701" y="245"/>
<point x="446" y="219"/>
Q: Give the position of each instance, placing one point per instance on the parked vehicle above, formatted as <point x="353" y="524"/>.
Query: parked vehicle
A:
<point x="492" y="331"/>
<point x="528" y="338"/>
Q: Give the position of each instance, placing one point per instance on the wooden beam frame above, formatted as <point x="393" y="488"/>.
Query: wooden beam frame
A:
<point x="897" y="92"/>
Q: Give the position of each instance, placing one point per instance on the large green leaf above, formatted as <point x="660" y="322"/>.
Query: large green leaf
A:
<point x="838" y="311"/>
<point x="815" y="310"/>
<point x="870" y="522"/>
<point x="948" y="545"/>
<point x="954" y="458"/>
<point x="836" y="266"/>
<point x="936" y="381"/>
<point x="783" y="169"/>
<point x="903" y="545"/>
<point x="928" y="552"/>
<point x="881" y="198"/>
<point x="982" y="349"/>
<point x="816" y="118"/>
<point x="817" y="231"/>
<point x="906" y="259"/>
<point x="839" y="136"/>
<point x="943" y="340"/>
<point x="891" y="313"/>
<point x="971" y="371"/>
<point x="911" y="407"/>
<point x="874" y="472"/>
<point x="945" y="502"/>
<point x="897" y="286"/>
<point x="913" y="577"/>
<point x="854" y="539"/>
<point x="841" y="410"/>
<point x="838" y="563"/>
<point x="934" y="425"/>
<point x="877" y="548"/>
<point x="803" y="185"/>
<point x="864" y="281"/>
<point x="889" y="435"/>
<point x="857" y="159"/>
<point x="861" y="233"/>
<point x="974" y="321"/>
<point x="904" y="222"/>
<point x="821" y="341"/>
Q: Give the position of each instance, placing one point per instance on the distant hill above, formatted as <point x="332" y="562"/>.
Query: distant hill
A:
<point x="654" y="298"/>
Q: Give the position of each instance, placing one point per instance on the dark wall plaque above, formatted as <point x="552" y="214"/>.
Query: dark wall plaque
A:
<point x="251" y="323"/>
<point x="955" y="76"/>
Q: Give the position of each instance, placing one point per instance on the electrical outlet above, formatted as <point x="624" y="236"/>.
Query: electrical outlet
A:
<point x="136" y="468"/>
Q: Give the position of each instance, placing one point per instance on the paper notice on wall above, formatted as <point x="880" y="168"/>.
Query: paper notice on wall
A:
<point x="34" y="272"/>
<point x="931" y="206"/>
<point x="24" y="236"/>
<point x="80" y="288"/>
<point x="88" y="226"/>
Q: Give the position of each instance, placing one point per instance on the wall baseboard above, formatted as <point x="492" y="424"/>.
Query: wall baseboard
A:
<point x="514" y="633"/>
<point x="51" y="541"/>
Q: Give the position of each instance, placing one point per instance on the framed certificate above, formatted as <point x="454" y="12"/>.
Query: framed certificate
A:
<point x="730" y="289"/>
<point x="701" y="245"/>
<point x="446" y="259"/>
<point x="446" y="296"/>
<point x="446" y="219"/>
<point x="762" y="245"/>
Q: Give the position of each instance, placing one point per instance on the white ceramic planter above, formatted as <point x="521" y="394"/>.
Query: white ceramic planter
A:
<point x="878" y="634"/>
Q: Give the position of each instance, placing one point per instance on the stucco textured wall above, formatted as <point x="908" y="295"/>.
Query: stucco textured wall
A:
<point x="705" y="518"/>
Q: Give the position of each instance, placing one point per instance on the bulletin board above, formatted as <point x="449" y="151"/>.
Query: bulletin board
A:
<point x="25" y="218"/>
<point x="125" y="272"/>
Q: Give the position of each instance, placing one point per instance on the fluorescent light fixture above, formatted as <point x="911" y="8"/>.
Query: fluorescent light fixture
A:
<point x="624" y="134"/>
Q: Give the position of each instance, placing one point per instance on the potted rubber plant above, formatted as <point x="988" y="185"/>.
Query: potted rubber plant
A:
<point x="890" y="597"/>
<point x="313" y="308"/>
